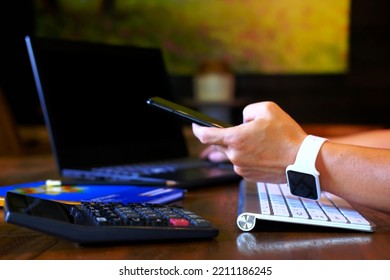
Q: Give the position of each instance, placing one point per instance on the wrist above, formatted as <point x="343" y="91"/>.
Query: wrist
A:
<point x="302" y="177"/>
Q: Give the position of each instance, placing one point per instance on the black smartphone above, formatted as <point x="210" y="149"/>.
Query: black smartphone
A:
<point x="186" y="113"/>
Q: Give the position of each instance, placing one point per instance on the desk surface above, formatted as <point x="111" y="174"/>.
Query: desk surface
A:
<point x="219" y="205"/>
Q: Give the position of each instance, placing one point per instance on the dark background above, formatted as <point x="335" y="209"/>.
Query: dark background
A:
<point x="360" y="96"/>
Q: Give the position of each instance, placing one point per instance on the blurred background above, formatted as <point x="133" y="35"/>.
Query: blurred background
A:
<point x="324" y="62"/>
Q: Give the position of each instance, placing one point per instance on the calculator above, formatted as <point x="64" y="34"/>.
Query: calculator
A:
<point x="106" y="222"/>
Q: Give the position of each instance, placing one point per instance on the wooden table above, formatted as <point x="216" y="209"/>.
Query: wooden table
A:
<point x="216" y="203"/>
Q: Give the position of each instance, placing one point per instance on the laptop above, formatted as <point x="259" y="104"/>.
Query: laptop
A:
<point x="93" y="97"/>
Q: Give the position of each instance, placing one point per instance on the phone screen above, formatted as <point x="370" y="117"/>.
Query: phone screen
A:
<point x="186" y="113"/>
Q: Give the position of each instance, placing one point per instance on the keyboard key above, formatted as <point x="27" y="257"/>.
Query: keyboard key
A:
<point x="296" y="207"/>
<point x="314" y="210"/>
<point x="263" y="197"/>
<point x="179" y="222"/>
<point x="354" y="217"/>
<point x="331" y="211"/>
<point x="277" y="200"/>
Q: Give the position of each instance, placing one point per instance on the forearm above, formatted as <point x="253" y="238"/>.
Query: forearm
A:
<point x="358" y="174"/>
<point x="371" y="138"/>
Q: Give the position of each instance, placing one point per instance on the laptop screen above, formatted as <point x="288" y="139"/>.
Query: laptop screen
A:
<point x="94" y="96"/>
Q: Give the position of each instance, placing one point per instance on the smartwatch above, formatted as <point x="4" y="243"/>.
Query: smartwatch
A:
<point x="303" y="178"/>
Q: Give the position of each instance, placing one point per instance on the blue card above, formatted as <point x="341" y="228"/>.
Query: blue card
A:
<point x="106" y="193"/>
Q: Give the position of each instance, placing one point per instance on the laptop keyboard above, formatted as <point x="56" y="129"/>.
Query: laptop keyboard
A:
<point x="273" y="202"/>
<point x="154" y="168"/>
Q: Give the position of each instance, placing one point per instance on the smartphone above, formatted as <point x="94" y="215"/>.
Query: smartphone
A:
<point x="186" y="113"/>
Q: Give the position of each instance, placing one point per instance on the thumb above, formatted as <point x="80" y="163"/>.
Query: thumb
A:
<point x="209" y="135"/>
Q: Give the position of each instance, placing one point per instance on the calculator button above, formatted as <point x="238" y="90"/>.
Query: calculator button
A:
<point x="179" y="222"/>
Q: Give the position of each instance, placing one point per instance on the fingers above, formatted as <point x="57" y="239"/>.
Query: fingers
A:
<point x="209" y="135"/>
<point x="214" y="153"/>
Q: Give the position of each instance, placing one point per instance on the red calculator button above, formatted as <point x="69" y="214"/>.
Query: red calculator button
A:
<point x="179" y="222"/>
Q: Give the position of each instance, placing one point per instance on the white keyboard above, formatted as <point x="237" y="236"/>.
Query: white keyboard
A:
<point x="273" y="202"/>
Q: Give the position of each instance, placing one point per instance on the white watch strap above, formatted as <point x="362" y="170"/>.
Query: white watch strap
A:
<point x="308" y="151"/>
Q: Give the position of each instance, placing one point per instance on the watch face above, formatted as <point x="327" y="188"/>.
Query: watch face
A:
<point x="302" y="184"/>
